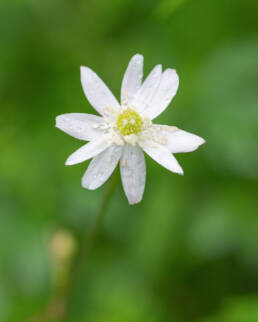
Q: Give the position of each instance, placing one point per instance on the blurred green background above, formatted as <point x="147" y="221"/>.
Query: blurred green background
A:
<point x="189" y="251"/>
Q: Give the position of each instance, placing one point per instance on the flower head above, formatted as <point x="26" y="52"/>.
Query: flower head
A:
<point x="125" y="130"/>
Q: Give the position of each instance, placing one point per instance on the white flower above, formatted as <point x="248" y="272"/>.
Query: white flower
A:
<point x="124" y="131"/>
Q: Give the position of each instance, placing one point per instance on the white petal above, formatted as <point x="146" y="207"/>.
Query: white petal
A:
<point x="133" y="173"/>
<point x="80" y="126"/>
<point x="145" y="94"/>
<point x="101" y="167"/>
<point x="96" y="91"/>
<point x="132" y="79"/>
<point x="89" y="150"/>
<point x="177" y="140"/>
<point x="166" y="91"/>
<point x="161" y="155"/>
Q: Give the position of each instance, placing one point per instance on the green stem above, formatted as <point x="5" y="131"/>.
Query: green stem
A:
<point x="89" y="238"/>
<point x="57" y="308"/>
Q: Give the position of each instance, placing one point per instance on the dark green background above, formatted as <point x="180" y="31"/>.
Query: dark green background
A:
<point x="189" y="251"/>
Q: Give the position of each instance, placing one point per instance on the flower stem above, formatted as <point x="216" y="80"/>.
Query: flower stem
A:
<point x="88" y="239"/>
<point x="57" y="307"/>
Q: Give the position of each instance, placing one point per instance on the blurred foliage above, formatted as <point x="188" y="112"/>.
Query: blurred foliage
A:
<point x="237" y="310"/>
<point x="189" y="251"/>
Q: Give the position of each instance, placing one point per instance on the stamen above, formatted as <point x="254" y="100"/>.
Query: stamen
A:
<point x="123" y="163"/>
<point x="164" y="140"/>
<point x="131" y="139"/>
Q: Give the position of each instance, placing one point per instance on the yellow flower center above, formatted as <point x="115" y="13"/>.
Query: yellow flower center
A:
<point x="129" y="122"/>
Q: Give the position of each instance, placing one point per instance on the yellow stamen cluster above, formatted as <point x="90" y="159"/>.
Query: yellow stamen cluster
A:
<point x="129" y="122"/>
